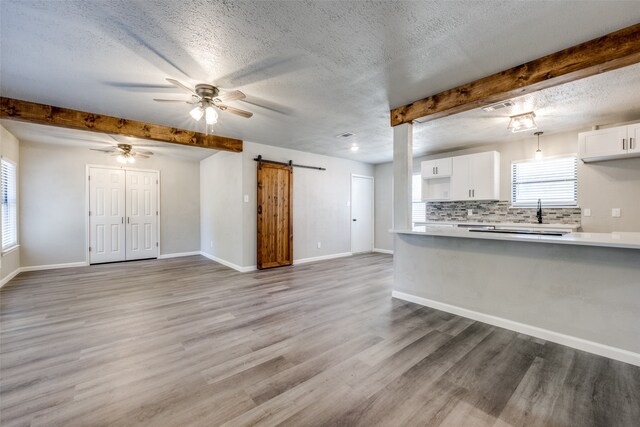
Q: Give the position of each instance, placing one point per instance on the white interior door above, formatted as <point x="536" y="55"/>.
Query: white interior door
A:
<point x="361" y="214"/>
<point x="106" y="215"/>
<point x="142" y="215"/>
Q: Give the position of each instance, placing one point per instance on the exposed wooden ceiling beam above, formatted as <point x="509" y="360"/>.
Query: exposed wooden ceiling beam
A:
<point x="14" y="109"/>
<point x="614" y="50"/>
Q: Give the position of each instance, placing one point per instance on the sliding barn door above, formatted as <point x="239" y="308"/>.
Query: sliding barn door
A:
<point x="106" y="215"/>
<point x="275" y="220"/>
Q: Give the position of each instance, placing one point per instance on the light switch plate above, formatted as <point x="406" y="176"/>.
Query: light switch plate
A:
<point x="246" y="198"/>
<point x="319" y="245"/>
<point x="586" y="212"/>
<point x="469" y="212"/>
<point x="615" y="212"/>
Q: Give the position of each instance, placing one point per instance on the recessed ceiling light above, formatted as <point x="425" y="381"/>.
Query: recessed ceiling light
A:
<point x="498" y="106"/>
<point x="345" y="135"/>
<point x="354" y="148"/>
<point x="522" y="122"/>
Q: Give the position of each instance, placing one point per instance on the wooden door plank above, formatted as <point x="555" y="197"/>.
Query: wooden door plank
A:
<point x="14" y="109"/>
<point x="606" y="53"/>
<point x="274" y="216"/>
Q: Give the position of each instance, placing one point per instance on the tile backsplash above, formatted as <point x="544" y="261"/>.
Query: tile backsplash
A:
<point x="501" y="211"/>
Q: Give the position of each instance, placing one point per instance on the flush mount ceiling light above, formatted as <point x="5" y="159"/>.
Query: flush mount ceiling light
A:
<point x="354" y="148"/>
<point x="522" y="122"/>
<point x="538" y="155"/>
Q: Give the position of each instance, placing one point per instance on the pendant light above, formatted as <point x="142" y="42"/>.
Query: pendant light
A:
<point x="538" y="155"/>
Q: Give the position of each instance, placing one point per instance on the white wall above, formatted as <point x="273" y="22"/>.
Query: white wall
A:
<point x="320" y="210"/>
<point x="53" y="205"/>
<point x="9" y="149"/>
<point x="384" y="206"/>
<point x="601" y="185"/>
<point x="221" y="233"/>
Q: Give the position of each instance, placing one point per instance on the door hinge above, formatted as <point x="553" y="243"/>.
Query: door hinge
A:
<point x="157" y="182"/>
<point x="89" y="248"/>
<point x="89" y="213"/>
<point x="156" y="244"/>
<point x="156" y="212"/>
<point x="89" y="177"/>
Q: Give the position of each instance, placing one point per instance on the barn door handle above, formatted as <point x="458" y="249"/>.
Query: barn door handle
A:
<point x="259" y="209"/>
<point x="354" y="219"/>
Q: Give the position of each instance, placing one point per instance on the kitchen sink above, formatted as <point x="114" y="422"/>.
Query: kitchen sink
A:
<point x="519" y="231"/>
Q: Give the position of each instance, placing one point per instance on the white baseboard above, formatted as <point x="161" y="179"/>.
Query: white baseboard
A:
<point x="178" y="254"/>
<point x="53" y="266"/>
<point x="383" y="251"/>
<point x="321" y="258"/>
<point x="41" y="267"/>
<point x="227" y="263"/>
<point x="545" y="334"/>
<point x="9" y="277"/>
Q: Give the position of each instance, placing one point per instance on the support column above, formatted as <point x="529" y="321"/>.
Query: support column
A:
<point x="402" y="175"/>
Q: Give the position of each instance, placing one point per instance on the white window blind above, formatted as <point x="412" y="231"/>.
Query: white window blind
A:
<point x="553" y="181"/>
<point x="9" y="205"/>
<point x="419" y="210"/>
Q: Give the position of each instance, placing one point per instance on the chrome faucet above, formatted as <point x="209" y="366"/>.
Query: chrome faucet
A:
<point x="539" y="214"/>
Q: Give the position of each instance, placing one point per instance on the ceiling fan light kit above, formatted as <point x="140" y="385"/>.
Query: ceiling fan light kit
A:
<point x="125" y="154"/>
<point x="208" y="99"/>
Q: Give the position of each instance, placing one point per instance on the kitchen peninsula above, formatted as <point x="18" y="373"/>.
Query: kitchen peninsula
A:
<point x="577" y="289"/>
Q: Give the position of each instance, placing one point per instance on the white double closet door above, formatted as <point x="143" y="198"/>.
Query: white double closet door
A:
<point x="123" y="215"/>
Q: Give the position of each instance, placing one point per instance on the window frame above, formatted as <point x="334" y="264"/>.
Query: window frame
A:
<point x="15" y="242"/>
<point x="414" y="202"/>
<point x="515" y="205"/>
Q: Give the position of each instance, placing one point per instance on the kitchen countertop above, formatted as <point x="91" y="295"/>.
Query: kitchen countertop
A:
<point x="628" y="240"/>
<point x="572" y="227"/>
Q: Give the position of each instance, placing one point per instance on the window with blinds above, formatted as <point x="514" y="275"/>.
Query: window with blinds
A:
<point x="9" y="205"/>
<point x="553" y="181"/>
<point x="418" y="207"/>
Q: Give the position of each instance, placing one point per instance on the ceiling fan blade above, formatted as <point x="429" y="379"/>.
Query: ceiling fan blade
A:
<point x="140" y="156"/>
<point x="181" y="86"/>
<point x="144" y="153"/>
<point x="172" y="100"/>
<point x="231" y="96"/>
<point x="234" y="110"/>
<point x="105" y="150"/>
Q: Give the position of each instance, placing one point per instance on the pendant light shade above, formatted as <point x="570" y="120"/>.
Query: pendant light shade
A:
<point x="538" y="155"/>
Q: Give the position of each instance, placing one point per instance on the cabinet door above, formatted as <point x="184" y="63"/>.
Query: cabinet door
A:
<point x="482" y="176"/>
<point x="633" y="132"/>
<point x="603" y="142"/>
<point x="443" y="167"/>
<point x="428" y="169"/>
<point x="460" y="189"/>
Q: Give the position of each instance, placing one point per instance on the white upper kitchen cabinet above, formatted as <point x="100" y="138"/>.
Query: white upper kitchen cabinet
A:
<point x="440" y="168"/>
<point x="476" y="177"/>
<point x="611" y="143"/>
<point x="633" y="132"/>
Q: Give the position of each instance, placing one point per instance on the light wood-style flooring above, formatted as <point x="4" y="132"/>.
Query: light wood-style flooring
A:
<point x="186" y="341"/>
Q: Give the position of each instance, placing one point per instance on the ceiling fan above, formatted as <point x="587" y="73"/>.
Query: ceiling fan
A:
<point x="125" y="153"/>
<point x="207" y="99"/>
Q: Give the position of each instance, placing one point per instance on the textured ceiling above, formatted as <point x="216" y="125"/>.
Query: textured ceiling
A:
<point x="311" y="70"/>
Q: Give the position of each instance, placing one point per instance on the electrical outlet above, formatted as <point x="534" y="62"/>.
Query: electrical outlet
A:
<point x="246" y="198"/>
<point x="319" y="245"/>
<point x="615" y="212"/>
<point x="586" y="212"/>
<point x="469" y="212"/>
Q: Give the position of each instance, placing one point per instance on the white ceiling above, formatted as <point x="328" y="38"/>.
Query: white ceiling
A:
<point x="310" y="69"/>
